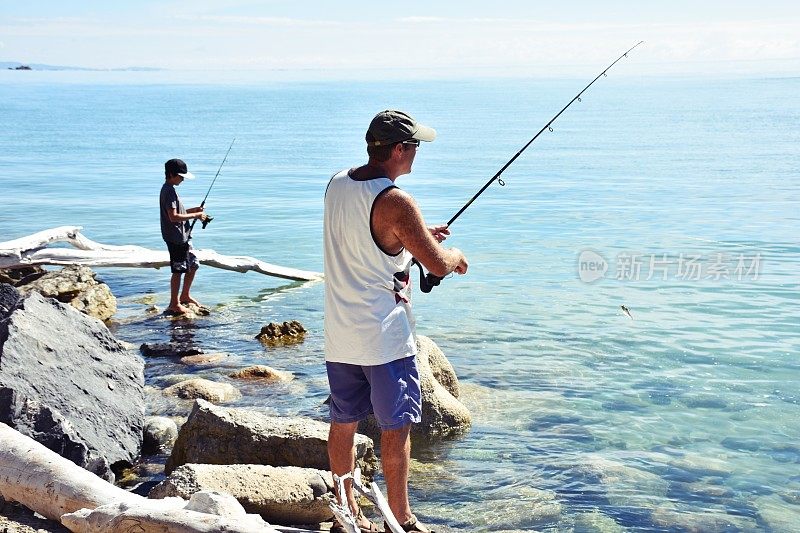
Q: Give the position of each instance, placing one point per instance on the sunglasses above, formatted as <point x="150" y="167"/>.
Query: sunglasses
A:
<point x="415" y="142"/>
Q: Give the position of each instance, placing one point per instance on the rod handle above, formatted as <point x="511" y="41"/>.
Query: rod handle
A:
<point x="426" y="281"/>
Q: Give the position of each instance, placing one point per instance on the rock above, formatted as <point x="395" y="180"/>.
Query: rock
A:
<point x="442" y="414"/>
<point x="21" y="276"/>
<point x="624" y="485"/>
<point x="442" y="370"/>
<point x="263" y="373"/>
<point x="69" y="384"/>
<point x="76" y="285"/>
<point x="160" y="433"/>
<point x="777" y="514"/>
<point x="9" y="299"/>
<point x="203" y="358"/>
<point x="216" y="435"/>
<point x="700" y="522"/>
<point x="520" y="508"/>
<point x="596" y="522"/>
<point x="291" y="332"/>
<point x="168" y="349"/>
<point x="208" y="390"/>
<point x="282" y="495"/>
<point x="702" y="466"/>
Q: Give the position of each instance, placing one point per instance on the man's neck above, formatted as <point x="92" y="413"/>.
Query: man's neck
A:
<point x="376" y="169"/>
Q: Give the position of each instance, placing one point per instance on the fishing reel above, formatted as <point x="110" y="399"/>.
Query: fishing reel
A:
<point x="206" y="221"/>
<point x="426" y="281"/>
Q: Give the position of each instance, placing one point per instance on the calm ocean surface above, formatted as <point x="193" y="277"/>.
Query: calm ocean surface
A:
<point x="687" y="190"/>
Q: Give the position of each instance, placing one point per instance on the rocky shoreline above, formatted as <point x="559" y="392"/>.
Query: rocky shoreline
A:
<point x="64" y="371"/>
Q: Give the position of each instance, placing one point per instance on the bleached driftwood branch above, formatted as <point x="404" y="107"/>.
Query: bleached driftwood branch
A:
<point x="32" y="250"/>
<point x="58" y="489"/>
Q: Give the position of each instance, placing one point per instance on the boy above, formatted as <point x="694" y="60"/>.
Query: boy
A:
<point x="176" y="233"/>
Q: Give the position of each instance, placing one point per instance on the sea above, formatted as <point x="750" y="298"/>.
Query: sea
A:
<point x="627" y="335"/>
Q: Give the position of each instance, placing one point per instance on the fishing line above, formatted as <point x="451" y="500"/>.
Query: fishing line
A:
<point x="208" y="219"/>
<point x="428" y="281"/>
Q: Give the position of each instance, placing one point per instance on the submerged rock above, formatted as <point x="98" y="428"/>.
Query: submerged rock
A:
<point x="66" y="382"/>
<point x="700" y="522"/>
<point x="282" y="495"/>
<point x="216" y="435"/>
<point x="77" y="286"/>
<point x="291" y="332"/>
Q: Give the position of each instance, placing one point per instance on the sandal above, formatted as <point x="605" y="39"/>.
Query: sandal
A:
<point x="373" y="527"/>
<point x="412" y="526"/>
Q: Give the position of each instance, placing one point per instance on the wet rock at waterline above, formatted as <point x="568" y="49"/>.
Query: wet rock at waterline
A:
<point x="262" y="373"/>
<point x="21" y="276"/>
<point x="169" y="349"/>
<point x="205" y="389"/>
<point x="159" y="434"/>
<point x="203" y="358"/>
<point x="77" y="286"/>
<point x="66" y="382"/>
<point x="282" y="495"/>
<point x="214" y="435"/>
<point x="291" y="332"/>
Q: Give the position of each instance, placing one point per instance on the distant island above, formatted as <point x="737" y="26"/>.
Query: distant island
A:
<point x="16" y="65"/>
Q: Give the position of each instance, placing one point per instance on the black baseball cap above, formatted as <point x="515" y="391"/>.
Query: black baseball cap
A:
<point x="177" y="167"/>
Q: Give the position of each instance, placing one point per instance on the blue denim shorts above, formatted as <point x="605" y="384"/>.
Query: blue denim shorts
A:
<point x="391" y="391"/>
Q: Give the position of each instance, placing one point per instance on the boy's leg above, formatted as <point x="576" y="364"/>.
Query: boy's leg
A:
<point x="174" y="286"/>
<point x="185" y="298"/>
<point x="192" y="265"/>
<point x="177" y="263"/>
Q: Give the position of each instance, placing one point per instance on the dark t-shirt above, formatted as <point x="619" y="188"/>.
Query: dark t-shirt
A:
<point x="174" y="232"/>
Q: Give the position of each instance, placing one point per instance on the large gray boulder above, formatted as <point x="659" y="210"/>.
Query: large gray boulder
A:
<point x="443" y="415"/>
<point x="282" y="495"/>
<point x="66" y="382"/>
<point x="220" y="435"/>
<point x="77" y="286"/>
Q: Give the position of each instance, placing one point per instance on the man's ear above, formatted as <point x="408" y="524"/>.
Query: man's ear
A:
<point x="397" y="150"/>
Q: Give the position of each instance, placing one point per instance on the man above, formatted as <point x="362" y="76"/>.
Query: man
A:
<point x="372" y="230"/>
<point x="175" y="232"/>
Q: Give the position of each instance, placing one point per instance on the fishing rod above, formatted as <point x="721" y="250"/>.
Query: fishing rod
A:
<point x="428" y="281"/>
<point x="208" y="219"/>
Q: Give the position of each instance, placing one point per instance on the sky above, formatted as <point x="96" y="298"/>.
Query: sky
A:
<point x="419" y="38"/>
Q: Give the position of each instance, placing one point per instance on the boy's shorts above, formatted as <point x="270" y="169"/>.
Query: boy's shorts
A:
<point x="391" y="391"/>
<point x="181" y="258"/>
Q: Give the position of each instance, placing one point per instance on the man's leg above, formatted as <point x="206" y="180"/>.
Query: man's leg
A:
<point x="395" y="458"/>
<point x="342" y="456"/>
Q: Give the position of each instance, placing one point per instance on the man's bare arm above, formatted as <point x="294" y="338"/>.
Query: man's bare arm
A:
<point x="397" y="221"/>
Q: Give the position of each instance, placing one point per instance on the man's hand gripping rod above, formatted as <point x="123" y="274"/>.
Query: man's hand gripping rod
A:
<point x="428" y="281"/>
<point x="208" y="219"/>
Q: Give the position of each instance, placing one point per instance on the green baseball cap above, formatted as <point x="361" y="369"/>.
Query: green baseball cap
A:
<point x="392" y="126"/>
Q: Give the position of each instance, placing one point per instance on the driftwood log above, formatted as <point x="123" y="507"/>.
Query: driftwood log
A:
<point x="32" y="250"/>
<point x="53" y="486"/>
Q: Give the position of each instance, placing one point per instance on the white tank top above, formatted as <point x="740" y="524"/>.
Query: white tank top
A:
<point x="368" y="318"/>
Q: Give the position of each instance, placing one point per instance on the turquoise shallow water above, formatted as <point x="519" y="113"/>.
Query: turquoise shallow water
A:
<point x="584" y="419"/>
